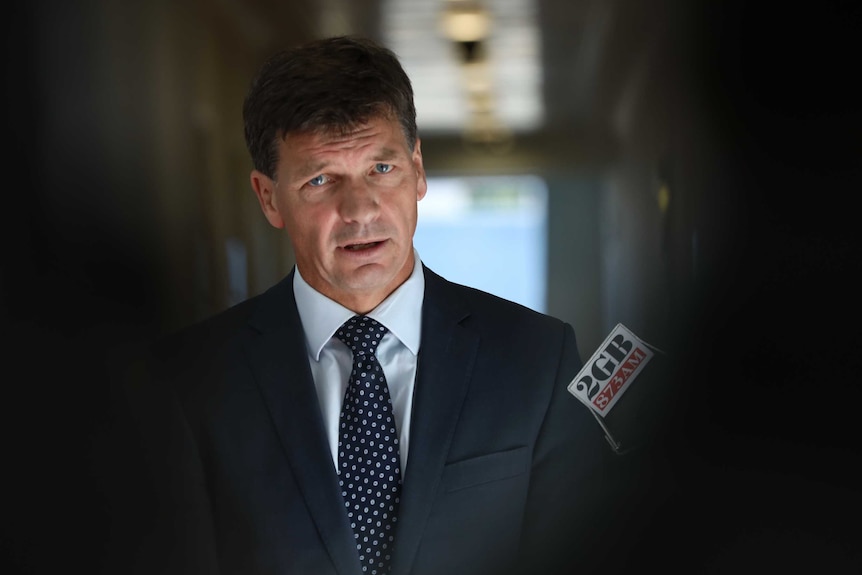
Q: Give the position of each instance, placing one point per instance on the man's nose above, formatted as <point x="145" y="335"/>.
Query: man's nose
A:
<point x="359" y="201"/>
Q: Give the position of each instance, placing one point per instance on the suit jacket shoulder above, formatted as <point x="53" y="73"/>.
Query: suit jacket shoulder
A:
<point x="491" y="311"/>
<point x="210" y="343"/>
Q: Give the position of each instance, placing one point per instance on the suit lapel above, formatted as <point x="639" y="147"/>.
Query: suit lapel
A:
<point x="447" y="354"/>
<point x="446" y="358"/>
<point x="280" y="359"/>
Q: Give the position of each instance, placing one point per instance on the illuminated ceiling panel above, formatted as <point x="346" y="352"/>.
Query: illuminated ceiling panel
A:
<point x="413" y="29"/>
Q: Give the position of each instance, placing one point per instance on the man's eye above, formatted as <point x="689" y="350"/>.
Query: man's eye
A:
<point x="381" y="168"/>
<point x="317" y="181"/>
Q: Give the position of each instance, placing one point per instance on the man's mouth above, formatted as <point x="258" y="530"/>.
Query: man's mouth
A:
<point x="359" y="247"/>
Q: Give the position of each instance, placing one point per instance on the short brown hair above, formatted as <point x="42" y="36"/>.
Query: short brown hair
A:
<point x="331" y="84"/>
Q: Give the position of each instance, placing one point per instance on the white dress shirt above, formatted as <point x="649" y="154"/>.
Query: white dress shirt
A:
<point x="331" y="361"/>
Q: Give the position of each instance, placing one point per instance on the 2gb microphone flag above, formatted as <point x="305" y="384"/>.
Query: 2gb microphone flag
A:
<point x="606" y="376"/>
<point x="611" y="370"/>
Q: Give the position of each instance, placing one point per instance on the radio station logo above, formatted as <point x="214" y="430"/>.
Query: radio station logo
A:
<point x="610" y="370"/>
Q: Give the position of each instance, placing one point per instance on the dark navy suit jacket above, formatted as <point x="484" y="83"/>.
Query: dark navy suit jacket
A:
<point x="505" y="473"/>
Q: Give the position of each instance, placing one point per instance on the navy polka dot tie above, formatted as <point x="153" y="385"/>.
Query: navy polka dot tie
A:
<point x="369" y="472"/>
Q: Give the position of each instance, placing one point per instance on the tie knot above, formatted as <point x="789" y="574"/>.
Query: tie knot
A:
<point x="361" y="334"/>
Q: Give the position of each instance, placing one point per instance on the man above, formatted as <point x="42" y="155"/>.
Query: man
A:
<point x="491" y="466"/>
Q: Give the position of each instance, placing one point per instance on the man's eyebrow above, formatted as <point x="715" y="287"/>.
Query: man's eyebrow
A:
<point x="385" y="154"/>
<point x="310" y="169"/>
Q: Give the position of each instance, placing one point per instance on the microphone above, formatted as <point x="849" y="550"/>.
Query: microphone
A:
<point x="610" y="373"/>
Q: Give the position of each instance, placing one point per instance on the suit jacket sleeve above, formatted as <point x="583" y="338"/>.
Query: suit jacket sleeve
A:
<point x="568" y="515"/>
<point x="162" y="521"/>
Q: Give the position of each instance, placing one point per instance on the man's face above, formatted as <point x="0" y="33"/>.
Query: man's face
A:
<point x="349" y="206"/>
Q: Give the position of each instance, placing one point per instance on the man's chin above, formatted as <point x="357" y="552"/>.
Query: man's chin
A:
<point x="369" y="284"/>
<point x="367" y="279"/>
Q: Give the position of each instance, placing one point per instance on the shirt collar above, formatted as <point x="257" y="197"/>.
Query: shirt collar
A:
<point x="400" y="312"/>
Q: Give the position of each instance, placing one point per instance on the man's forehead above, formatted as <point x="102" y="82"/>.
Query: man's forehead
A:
<point x="318" y="159"/>
<point x="343" y="127"/>
<point x="375" y="133"/>
<point x="332" y="132"/>
<point x="309" y="152"/>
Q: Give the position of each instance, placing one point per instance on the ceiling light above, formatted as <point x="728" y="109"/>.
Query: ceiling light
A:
<point x="465" y="21"/>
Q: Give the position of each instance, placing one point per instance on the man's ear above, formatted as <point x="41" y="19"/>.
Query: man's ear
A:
<point x="264" y="189"/>
<point x="421" y="181"/>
